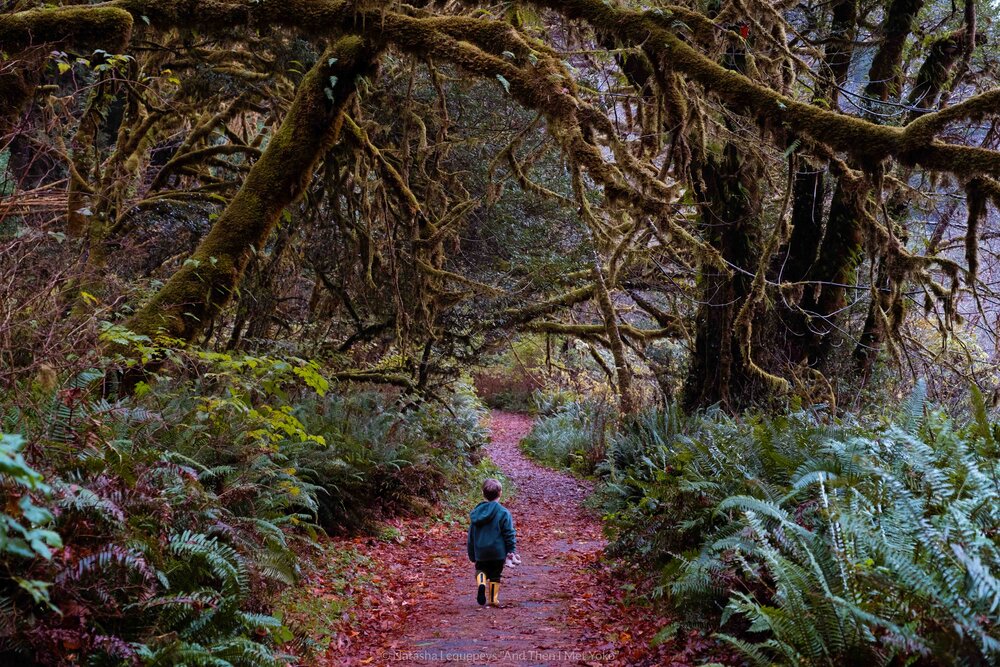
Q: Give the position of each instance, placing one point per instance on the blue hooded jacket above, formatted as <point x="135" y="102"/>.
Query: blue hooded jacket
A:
<point x="491" y="532"/>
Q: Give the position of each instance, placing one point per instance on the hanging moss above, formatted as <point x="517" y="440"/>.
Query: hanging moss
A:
<point x="196" y="292"/>
<point x="976" y="195"/>
<point x="674" y="42"/>
<point x="866" y="142"/>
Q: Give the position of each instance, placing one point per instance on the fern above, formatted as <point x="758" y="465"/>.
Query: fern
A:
<point x="912" y="414"/>
<point x="823" y="543"/>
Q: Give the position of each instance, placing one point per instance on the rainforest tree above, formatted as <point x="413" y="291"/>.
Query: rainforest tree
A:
<point x="791" y="193"/>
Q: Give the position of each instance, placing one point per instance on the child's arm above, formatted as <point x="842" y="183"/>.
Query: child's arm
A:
<point x="509" y="535"/>
<point x="472" y="551"/>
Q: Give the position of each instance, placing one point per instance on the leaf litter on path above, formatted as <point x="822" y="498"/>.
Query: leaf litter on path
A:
<point x="561" y="606"/>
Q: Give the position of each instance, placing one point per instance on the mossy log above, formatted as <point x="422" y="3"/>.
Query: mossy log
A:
<point x="196" y="292"/>
<point x="83" y="27"/>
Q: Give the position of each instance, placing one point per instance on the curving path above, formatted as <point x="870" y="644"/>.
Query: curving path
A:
<point x="559" y="543"/>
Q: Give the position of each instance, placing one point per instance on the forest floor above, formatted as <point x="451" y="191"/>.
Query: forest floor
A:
<point x="561" y="606"/>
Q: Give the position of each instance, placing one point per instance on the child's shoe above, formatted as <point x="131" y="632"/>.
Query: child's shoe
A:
<point x="495" y="593"/>
<point x="481" y="588"/>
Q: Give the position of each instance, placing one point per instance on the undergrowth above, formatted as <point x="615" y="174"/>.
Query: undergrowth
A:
<point x="569" y="434"/>
<point x="160" y="527"/>
<point x="804" y="539"/>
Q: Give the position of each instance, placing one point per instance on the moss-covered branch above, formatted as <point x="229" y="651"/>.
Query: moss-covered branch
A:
<point x="653" y="31"/>
<point x="595" y="330"/>
<point x="193" y="295"/>
<point x="85" y="27"/>
<point x="517" y="316"/>
<point x="863" y="140"/>
<point x="200" y="155"/>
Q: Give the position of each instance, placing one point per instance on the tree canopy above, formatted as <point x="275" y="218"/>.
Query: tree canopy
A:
<point x="781" y="195"/>
<point x="263" y="264"/>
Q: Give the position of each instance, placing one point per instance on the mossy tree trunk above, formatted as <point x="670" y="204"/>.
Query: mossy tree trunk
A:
<point x="835" y="267"/>
<point x="797" y="259"/>
<point x="885" y="75"/>
<point x="730" y="212"/>
<point x="195" y="294"/>
<point x="839" y="49"/>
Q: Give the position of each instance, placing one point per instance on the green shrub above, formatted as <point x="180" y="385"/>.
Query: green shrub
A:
<point x="572" y="435"/>
<point x="666" y="473"/>
<point x="178" y="505"/>
<point x="812" y="541"/>
<point x="24" y="532"/>
<point x="383" y="458"/>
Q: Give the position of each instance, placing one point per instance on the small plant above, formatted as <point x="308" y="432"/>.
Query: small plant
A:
<point x="24" y="528"/>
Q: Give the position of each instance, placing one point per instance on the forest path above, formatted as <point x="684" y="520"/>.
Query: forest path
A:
<point x="543" y="599"/>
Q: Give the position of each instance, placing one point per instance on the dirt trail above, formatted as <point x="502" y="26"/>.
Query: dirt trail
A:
<point x="558" y="542"/>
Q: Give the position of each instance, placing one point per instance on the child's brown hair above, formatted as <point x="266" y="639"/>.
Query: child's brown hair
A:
<point x="492" y="489"/>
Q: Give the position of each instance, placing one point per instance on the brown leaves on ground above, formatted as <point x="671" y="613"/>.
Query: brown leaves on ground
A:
<point x="413" y="601"/>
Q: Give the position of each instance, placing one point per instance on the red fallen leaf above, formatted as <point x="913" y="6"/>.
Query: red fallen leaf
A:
<point x="430" y="599"/>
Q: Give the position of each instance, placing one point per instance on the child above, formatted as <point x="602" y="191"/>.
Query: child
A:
<point x="491" y="540"/>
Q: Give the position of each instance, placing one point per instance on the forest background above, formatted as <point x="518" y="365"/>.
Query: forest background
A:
<point x="262" y="262"/>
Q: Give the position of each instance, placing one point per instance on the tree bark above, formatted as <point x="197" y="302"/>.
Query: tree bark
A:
<point x="839" y="49"/>
<point x="825" y="295"/>
<point x="730" y="210"/>
<point x="885" y="75"/>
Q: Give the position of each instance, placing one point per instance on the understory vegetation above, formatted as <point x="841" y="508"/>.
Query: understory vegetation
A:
<point x="260" y="260"/>
<point x="803" y="538"/>
<point x="160" y="528"/>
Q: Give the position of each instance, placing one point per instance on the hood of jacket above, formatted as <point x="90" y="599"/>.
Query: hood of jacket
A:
<point x="484" y="512"/>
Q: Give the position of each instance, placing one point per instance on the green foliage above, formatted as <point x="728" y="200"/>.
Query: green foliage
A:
<point x="343" y="570"/>
<point x="570" y="435"/>
<point x="23" y="532"/>
<point x="821" y="542"/>
<point x="178" y="506"/>
<point x="382" y="457"/>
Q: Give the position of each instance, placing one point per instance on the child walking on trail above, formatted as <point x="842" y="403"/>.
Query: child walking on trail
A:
<point x="491" y="540"/>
